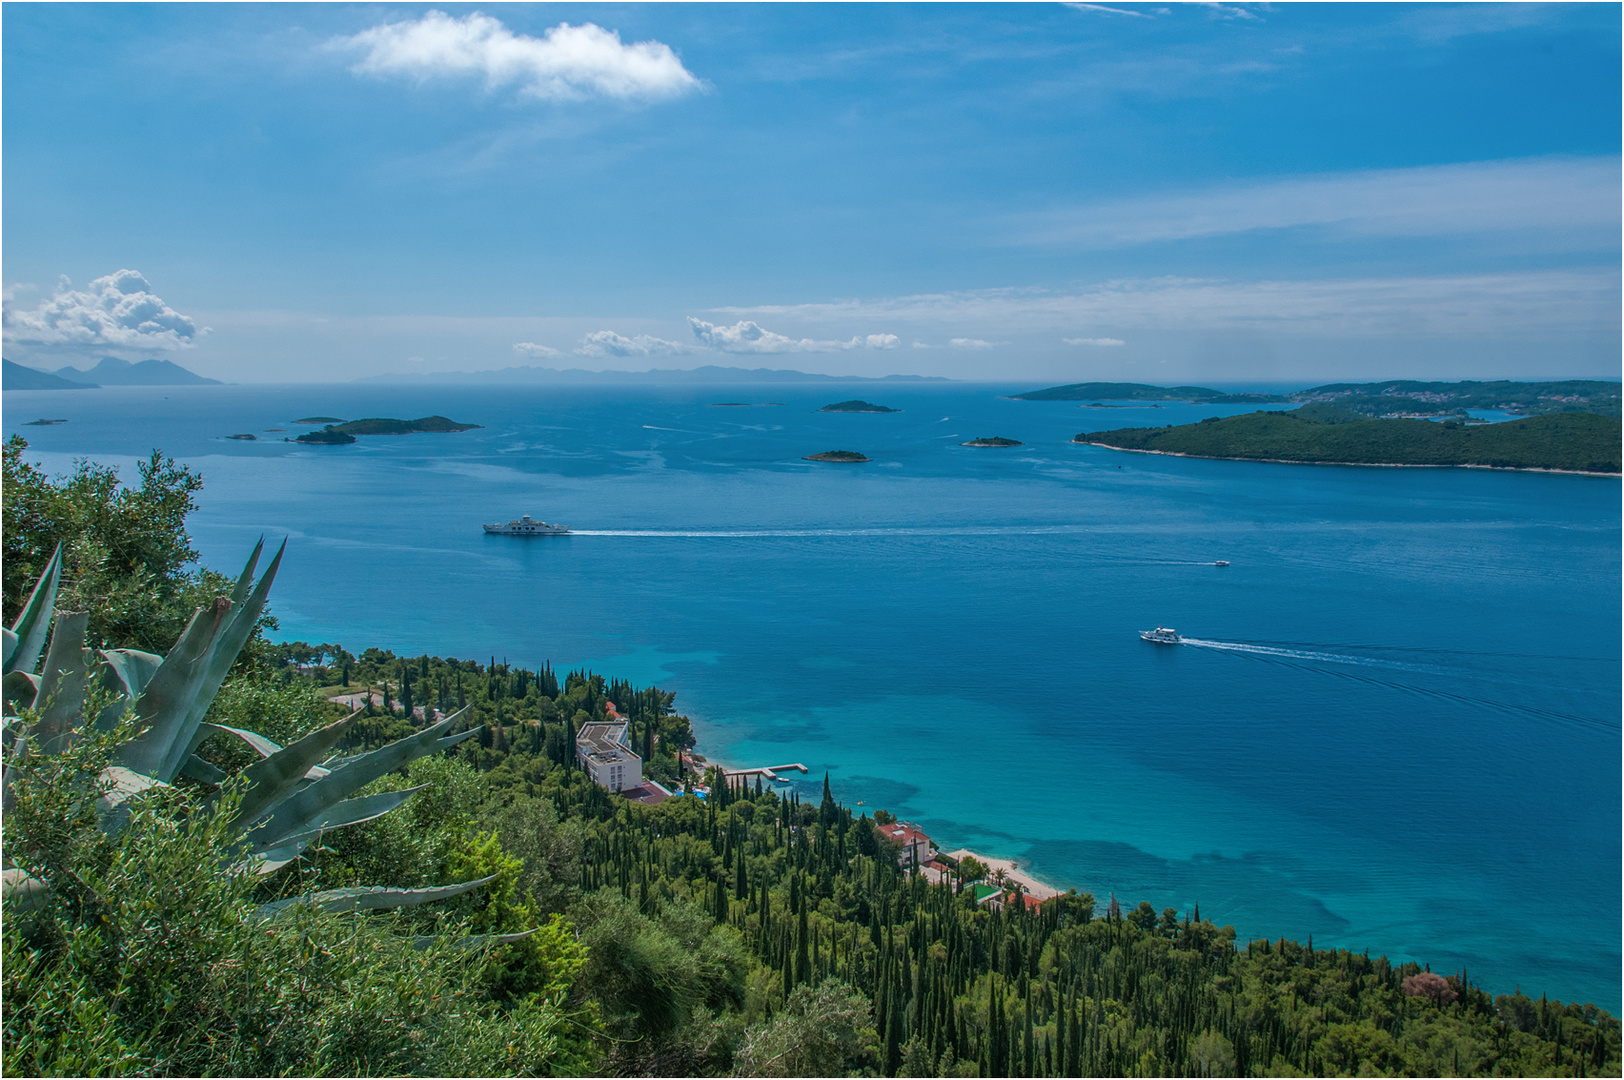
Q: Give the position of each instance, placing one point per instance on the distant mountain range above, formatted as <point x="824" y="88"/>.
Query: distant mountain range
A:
<point x="1395" y="398"/>
<point x="110" y="371"/>
<point x="17" y="377"/>
<point x="707" y="374"/>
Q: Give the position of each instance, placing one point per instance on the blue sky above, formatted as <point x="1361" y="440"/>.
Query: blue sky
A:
<point x="1161" y="193"/>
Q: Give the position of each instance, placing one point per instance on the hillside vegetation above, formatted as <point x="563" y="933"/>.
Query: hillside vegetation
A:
<point x="750" y="933"/>
<point x="1576" y="442"/>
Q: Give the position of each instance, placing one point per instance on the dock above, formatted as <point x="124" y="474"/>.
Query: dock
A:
<point x="769" y="771"/>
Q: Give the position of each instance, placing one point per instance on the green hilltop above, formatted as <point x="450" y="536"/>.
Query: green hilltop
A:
<point x="1570" y="441"/>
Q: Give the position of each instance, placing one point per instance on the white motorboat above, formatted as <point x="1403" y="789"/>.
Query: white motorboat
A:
<point x="1162" y="635"/>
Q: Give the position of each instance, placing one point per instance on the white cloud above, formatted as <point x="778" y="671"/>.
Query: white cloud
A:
<point x="567" y="62"/>
<point x="748" y="337"/>
<point x="1574" y="196"/>
<point x="530" y="348"/>
<point x="609" y="343"/>
<point x="973" y="343"/>
<point x="1554" y="304"/>
<point x="116" y="311"/>
<point x="1111" y="10"/>
<point x="1094" y="341"/>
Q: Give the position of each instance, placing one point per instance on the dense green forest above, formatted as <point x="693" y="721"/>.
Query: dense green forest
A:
<point x="1111" y="391"/>
<point x="1578" y="442"/>
<point x="1394" y="398"/>
<point x="751" y="932"/>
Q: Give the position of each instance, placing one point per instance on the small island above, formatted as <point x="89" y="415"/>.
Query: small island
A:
<point x="1096" y="392"/>
<point x="321" y="420"/>
<point x="1325" y="434"/>
<point x="341" y="433"/>
<point x="847" y="456"/>
<point x="245" y="437"/>
<point x="42" y="422"/>
<point x="855" y="405"/>
<point x="996" y="440"/>
<point x="743" y="404"/>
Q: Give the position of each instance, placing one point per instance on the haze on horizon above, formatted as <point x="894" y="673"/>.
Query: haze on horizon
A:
<point x="1206" y="193"/>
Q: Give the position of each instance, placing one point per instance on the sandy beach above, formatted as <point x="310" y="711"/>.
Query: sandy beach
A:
<point x="1012" y="869"/>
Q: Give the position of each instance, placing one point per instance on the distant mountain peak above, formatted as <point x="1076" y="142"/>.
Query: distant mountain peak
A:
<point x="710" y="373"/>
<point x="111" y="371"/>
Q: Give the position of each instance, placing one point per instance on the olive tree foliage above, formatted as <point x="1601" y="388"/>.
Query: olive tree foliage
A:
<point x="145" y="958"/>
<point x="127" y="559"/>
<point x="824" y="1030"/>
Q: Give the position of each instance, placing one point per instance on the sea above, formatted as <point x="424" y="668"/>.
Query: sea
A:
<point x="1393" y="725"/>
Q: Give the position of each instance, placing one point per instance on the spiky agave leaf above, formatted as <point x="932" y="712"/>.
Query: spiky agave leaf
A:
<point x="370" y="898"/>
<point x="174" y="701"/>
<point x="474" y="941"/>
<point x="275" y="854"/>
<point x="126" y="675"/>
<point x="26" y="637"/>
<point x="303" y="808"/>
<point x="62" y="684"/>
<point x="272" y="779"/>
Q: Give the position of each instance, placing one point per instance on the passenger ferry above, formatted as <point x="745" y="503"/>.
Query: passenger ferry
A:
<point x="526" y="526"/>
<point x="1162" y="635"/>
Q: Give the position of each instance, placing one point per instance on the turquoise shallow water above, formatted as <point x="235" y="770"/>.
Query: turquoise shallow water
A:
<point x="1398" y="727"/>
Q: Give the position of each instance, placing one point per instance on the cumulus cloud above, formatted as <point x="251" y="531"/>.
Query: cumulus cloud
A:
<point x="609" y="343"/>
<point x="530" y="348"/>
<point x="1093" y="341"/>
<point x="566" y="63"/>
<point x="748" y="337"/>
<point x="115" y="311"/>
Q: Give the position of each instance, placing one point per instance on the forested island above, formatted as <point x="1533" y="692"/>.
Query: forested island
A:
<point x="1327" y="434"/>
<point x="994" y="440"/>
<point x="346" y="432"/>
<point x="857" y="406"/>
<point x="476" y="905"/>
<point x="849" y="457"/>
<point x="1394" y="399"/>
<point x="1109" y="391"/>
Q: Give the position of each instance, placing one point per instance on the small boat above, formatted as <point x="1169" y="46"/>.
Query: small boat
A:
<point x="526" y="526"/>
<point x="1162" y="635"/>
<point x="1221" y="562"/>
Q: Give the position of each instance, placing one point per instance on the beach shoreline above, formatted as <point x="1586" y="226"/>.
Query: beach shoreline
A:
<point x="1035" y="888"/>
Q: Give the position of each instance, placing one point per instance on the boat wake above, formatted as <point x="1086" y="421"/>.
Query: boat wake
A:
<point x="1310" y="659"/>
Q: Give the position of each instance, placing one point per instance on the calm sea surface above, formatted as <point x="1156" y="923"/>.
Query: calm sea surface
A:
<point x="1398" y="726"/>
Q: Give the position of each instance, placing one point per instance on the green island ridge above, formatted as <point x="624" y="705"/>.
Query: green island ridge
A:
<point x="375" y="864"/>
<point x="996" y="440"/>
<point x="341" y="433"/>
<point x="1326" y="434"/>
<point x="1391" y="400"/>
<point x="856" y="405"/>
<point x="320" y="420"/>
<point x="845" y="456"/>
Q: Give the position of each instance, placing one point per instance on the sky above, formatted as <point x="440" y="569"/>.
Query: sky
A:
<point x="1020" y="192"/>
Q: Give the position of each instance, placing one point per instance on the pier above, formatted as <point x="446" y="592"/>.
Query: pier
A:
<point x="769" y="771"/>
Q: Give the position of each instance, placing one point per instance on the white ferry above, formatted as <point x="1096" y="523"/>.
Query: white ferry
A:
<point x="527" y="526"/>
<point x="1162" y="635"/>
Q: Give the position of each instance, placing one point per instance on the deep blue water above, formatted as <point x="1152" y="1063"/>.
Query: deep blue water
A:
<point x="1400" y="729"/>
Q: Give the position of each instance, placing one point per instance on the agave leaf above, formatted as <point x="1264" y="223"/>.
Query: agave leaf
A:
<point x="370" y="898"/>
<point x="222" y="654"/>
<point x="122" y="785"/>
<point x="10" y="640"/>
<point x="300" y="810"/>
<point x="240" y="589"/>
<point x="206" y="771"/>
<point x="23" y="892"/>
<point x="21" y="688"/>
<point x="474" y="941"/>
<point x="261" y="745"/>
<point x="34" y="621"/>
<point x="163" y="705"/>
<point x="62" y="683"/>
<point x="348" y="812"/>
<point x="127" y="673"/>
<point x="273" y="779"/>
<point x="270" y="862"/>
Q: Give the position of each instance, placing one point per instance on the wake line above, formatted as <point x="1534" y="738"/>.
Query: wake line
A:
<point x="1304" y="654"/>
<point x="1270" y="654"/>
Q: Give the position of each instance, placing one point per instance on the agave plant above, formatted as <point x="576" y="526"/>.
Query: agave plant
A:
<point x="290" y="796"/>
